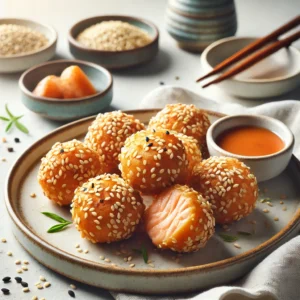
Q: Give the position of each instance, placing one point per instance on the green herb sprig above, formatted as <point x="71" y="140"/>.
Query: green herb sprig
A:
<point x="63" y="223"/>
<point x="13" y="120"/>
<point x="244" y="233"/>
<point x="228" y="238"/>
<point x="143" y="251"/>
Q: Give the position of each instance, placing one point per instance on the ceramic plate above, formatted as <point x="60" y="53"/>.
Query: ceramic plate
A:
<point x="218" y="263"/>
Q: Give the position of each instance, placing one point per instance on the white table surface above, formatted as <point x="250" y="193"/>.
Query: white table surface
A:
<point x="255" y="18"/>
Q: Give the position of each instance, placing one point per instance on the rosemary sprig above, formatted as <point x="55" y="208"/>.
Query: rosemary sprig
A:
<point x="13" y="120"/>
<point x="63" y="223"/>
<point x="143" y="251"/>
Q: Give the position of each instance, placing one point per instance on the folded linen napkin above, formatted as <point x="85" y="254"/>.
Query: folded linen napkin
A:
<point x="278" y="275"/>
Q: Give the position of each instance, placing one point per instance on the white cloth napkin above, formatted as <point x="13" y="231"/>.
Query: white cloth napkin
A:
<point x="278" y="275"/>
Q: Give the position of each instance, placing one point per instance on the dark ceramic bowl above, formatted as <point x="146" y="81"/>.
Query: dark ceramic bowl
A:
<point x="71" y="109"/>
<point x="114" y="59"/>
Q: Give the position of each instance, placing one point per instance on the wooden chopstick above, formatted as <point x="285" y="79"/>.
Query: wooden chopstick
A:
<point x="256" y="57"/>
<point x="252" y="47"/>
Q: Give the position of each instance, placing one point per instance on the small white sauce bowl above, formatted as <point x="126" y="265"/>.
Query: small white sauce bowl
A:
<point x="18" y="63"/>
<point x="264" y="167"/>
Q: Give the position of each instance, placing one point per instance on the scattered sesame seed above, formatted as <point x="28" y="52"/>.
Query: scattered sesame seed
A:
<point x="32" y="195"/>
<point x="47" y="284"/>
<point x="9" y="253"/>
<point x="265" y="210"/>
<point x="132" y="265"/>
<point x="72" y="286"/>
<point x="5" y="291"/>
<point x="86" y="251"/>
<point x="77" y="246"/>
<point x="39" y="286"/>
<point x="281" y="202"/>
<point x="107" y="260"/>
<point x="71" y="293"/>
<point x="34" y="298"/>
<point x="24" y="284"/>
<point x="284" y="208"/>
<point x="276" y="219"/>
<point x="42" y="278"/>
<point x="26" y="290"/>
<point x="18" y="279"/>
<point x="19" y="271"/>
<point x="6" y="279"/>
<point x="4" y="140"/>
<point x="10" y="149"/>
<point x="3" y="240"/>
<point x="3" y="159"/>
<point x="24" y="268"/>
<point x="236" y="245"/>
<point x="17" y="140"/>
<point x="18" y="262"/>
<point x="25" y="262"/>
<point x="102" y="257"/>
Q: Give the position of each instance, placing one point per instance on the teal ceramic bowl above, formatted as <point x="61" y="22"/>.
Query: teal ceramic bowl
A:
<point x="115" y="59"/>
<point x="70" y="109"/>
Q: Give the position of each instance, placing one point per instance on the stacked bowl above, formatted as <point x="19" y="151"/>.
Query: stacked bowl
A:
<point x="195" y="24"/>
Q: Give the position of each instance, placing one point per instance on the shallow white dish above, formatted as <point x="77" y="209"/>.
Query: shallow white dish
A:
<point x="264" y="167"/>
<point x="273" y="76"/>
<point x="218" y="263"/>
<point x="18" y="63"/>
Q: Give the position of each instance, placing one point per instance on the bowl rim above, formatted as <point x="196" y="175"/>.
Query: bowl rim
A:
<point x="76" y="44"/>
<point x="44" y="49"/>
<point x="288" y="145"/>
<point x="251" y="81"/>
<point x="28" y="93"/>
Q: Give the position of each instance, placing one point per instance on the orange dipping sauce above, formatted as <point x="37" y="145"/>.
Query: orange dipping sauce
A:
<point x="250" y="141"/>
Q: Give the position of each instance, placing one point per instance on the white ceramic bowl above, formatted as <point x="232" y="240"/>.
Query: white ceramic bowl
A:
<point x="273" y="76"/>
<point x="17" y="63"/>
<point x="263" y="167"/>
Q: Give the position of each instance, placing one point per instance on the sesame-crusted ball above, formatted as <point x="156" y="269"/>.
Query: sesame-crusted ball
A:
<point x="106" y="209"/>
<point x="107" y="135"/>
<point x="65" y="167"/>
<point x="179" y="219"/>
<point x="153" y="160"/>
<point x="186" y="119"/>
<point x="193" y="153"/>
<point x="229" y="185"/>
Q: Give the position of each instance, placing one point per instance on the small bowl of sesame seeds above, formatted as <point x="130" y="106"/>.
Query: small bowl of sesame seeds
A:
<point x="115" y="42"/>
<point x="24" y="43"/>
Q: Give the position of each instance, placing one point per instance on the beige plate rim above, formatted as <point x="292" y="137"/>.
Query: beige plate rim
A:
<point x="108" y="269"/>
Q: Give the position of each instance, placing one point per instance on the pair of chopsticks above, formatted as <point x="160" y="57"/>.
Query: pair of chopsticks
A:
<point x="252" y="55"/>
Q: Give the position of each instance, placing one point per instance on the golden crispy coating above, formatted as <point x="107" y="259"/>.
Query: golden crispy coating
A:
<point x="229" y="185"/>
<point x="186" y="119"/>
<point x="193" y="153"/>
<point x="65" y="167"/>
<point x="106" y="209"/>
<point x="179" y="219"/>
<point x="107" y="135"/>
<point x="153" y="160"/>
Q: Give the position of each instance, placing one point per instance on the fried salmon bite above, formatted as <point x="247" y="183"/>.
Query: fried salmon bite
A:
<point x="179" y="219"/>
<point x="192" y="150"/>
<point x="106" y="209"/>
<point x="228" y="185"/>
<point x="186" y="119"/>
<point x="153" y="160"/>
<point x="107" y="135"/>
<point x="65" y="167"/>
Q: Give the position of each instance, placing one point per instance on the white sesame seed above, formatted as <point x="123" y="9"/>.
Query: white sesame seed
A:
<point x="26" y="290"/>
<point x="47" y="284"/>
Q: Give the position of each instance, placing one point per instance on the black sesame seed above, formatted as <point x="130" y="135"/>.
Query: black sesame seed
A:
<point x="6" y="279"/>
<point x="24" y="284"/>
<point x="71" y="293"/>
<point x="93" y="185"/>
<point x="18" y="279"/>
<point x="101" y="201"/>
<point x="161" y="83"/>
<point x="147" y="139"/>
<point x="153" y="130"/>
<point x="10" y="149"/>
<point x="62" y="150"/>
<point x="165" y="149"/>
<point x="85" y="189"/>
<point x="17" y="140"/>
<point x="150" y="145"/>
<point x="167" y="132"/>
<point x="5" y="291"/>
<point x="177" y="77"/>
